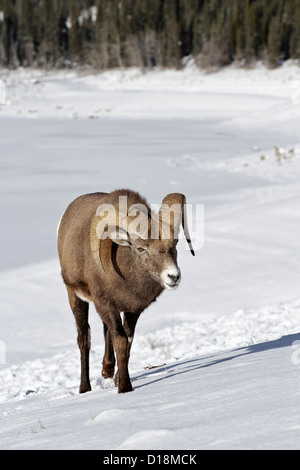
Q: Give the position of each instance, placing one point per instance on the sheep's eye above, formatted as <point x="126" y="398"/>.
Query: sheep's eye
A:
<point x="141" y="249"/>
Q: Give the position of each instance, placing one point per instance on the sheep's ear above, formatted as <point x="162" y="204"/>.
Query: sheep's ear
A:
<point x="120" y="237"/>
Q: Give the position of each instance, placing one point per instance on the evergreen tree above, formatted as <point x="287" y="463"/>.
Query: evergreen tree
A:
<point x="274" y="40"/>
<point x="145" y="33"/>
<point x="294" y="50"/>
<point x="169" y="37"/>
<point x="10" y="32"/>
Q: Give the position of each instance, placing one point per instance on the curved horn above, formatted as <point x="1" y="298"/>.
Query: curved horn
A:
<point x="96" y="243"/>
<point x="173" y="209"/>
<point x="118" y="226"/>
<point x="138" y="222"/>
<point x="106" y="219"/>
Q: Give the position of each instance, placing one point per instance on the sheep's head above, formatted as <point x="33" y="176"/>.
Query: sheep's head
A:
<point x="151" y="237"/>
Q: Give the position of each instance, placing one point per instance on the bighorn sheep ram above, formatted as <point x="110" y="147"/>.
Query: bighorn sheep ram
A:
<point x="114" y="251"/>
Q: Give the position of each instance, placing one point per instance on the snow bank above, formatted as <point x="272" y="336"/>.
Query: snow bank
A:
<point x="134" y="94"/>
<point x="174" y="343"/>
<point x="240" y="399"/>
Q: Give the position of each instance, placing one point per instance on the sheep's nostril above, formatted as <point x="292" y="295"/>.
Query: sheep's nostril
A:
<point x="175" y="279"/>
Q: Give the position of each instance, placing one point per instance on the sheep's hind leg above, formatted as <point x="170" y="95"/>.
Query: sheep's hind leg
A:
<point x="108" y="363"/>
<point x="80" y="310"/>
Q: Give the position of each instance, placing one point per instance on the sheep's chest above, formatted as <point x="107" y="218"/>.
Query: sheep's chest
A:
<point x="135" y="298"/>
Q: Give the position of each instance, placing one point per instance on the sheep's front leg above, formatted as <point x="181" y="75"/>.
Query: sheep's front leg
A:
<point x="122" y="379"/>
<point x="130" y="321"/>
<point x="115" y="335"/>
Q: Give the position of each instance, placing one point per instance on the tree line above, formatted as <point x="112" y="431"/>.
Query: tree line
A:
<point x="146" y="33"/>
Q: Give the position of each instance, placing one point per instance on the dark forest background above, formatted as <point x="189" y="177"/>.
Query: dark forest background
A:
<point x="147" y="33"/>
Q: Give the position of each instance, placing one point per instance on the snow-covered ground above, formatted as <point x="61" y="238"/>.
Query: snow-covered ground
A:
<point x="224" y="345"/>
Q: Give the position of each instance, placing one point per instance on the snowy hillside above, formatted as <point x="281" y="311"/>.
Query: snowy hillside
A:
<point x="215" y="364"/>
<point x="241" y="399"/>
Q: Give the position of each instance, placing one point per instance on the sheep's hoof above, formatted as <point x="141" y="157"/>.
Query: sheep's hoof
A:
<point x="126" y="389"/>
<point x="85" y="388"/>
<point x="122" y="388"/>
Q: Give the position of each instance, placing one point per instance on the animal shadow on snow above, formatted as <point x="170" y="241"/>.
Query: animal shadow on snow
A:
<point x="190" y="365"/>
